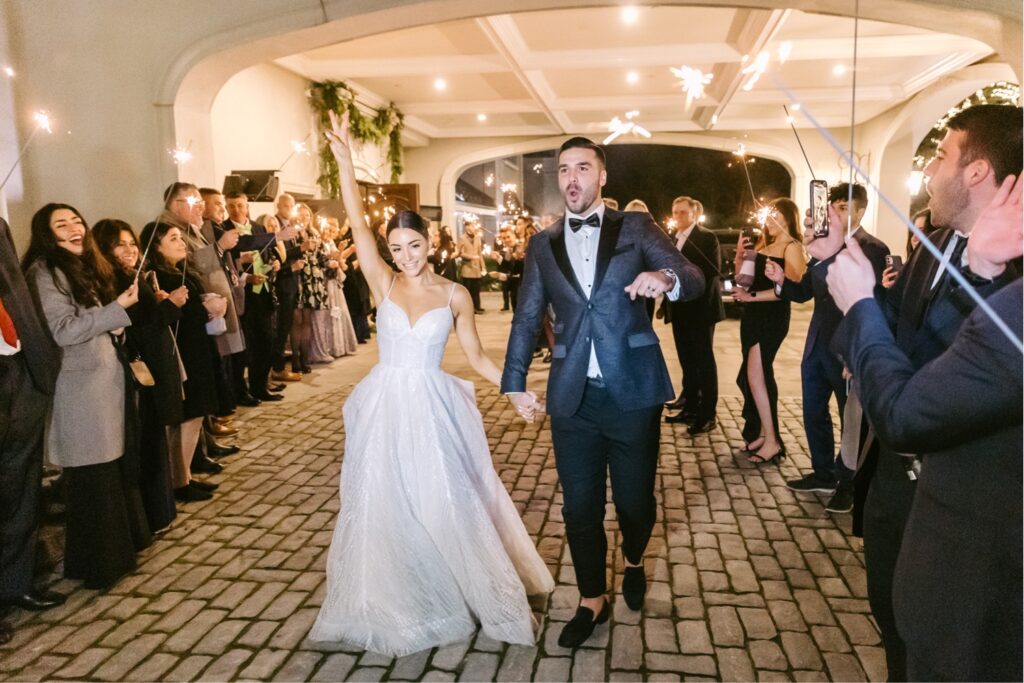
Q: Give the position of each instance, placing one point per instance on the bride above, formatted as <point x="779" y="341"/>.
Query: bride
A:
<point x="427" y="542"/>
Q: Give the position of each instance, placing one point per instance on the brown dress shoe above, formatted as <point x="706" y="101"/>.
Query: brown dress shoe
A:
<point x="285" y="376"/>
<point x="221" y="430"/>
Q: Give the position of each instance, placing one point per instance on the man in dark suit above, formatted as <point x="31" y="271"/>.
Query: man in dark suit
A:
<point x="286" y="288"/>
<point x="29" y="364"/>
<point x="693" y="322"/>
<point x="956" y="591"/>
<point x="821" y="371"/>
<point x="925" y="310"/>
<point x="608" y="379"/>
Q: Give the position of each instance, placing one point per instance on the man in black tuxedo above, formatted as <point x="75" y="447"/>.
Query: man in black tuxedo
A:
<point x="693" y="322"/>
<point x="925" y="310"/>
<point x="821" y="372"/>
<point x="956" y="590"/>
<point x="29" y="364"/>
<point x="608" y="378"/>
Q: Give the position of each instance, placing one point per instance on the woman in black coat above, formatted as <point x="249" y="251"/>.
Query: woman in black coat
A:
<point x="168" y="258"/>
<point x="149" y="339"/>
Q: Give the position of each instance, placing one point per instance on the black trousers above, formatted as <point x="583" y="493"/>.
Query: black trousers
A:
<point x="599" y="438"/>
<point x="886" y="511"/>
<point x="473" y="285"/>
<point x="258" y="326"/>
<point x="287" y="300"/>
<point x="695" y="346"/>
<point x="22" y="417"/>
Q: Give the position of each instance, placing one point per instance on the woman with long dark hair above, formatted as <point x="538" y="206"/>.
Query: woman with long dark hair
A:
<point x="149" y="339"/>
<point x="764" y="326"/>
<point x="168" y="260"/>
<point x="106" y="522"/>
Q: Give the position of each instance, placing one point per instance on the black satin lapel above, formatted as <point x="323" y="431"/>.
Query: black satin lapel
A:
<point x="558" y="250"/>
<point x="610" y="228"/>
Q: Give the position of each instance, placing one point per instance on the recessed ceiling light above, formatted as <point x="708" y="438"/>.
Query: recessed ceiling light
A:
<point x="481" y="117"/>
<point x="838" y="70"/>
<point x="632" y="77"/>
<point x="630" y="14"/>
<point x="440" y="84"/>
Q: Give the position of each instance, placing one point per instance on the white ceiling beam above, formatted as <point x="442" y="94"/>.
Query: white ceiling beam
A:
<point x="427" y="108"/>
<point x="943" y="67"/>
<point x="750" y="33"/>
<point x="504" y="36"/>
<point x="418" y="66"/>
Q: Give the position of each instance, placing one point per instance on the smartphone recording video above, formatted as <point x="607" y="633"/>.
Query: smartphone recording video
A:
<point x="819" y="207"/>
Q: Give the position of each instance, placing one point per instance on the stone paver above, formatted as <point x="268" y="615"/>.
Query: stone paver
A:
<point x="747" y="580"/>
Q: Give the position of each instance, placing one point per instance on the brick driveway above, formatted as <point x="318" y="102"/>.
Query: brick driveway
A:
<point x="749" y="581"/>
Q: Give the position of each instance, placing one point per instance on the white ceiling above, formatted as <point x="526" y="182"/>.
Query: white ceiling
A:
<point x="565" y="71"/>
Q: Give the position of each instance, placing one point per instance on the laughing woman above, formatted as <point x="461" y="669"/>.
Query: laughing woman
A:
<point x="106" y="523"/>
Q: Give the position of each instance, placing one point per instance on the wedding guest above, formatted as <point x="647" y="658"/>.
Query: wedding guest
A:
<point x="258" y="265"/>
<point x="637" y="205"/>
<point x="357" y="292"/>
<point x="444" y="254"/>
<point x="315" y="298"/>
<point x="168" y="259"/>
<point x="106" y="523"/>
<point x="286" y="290"/>
<point x="342" y="332"/>
<point x="148" y="339"/>
<point x="29" y="366"/>
<point x="471" y="251"/>
<point x="763" y="328"/>
<point x="302" y="323"/>
<point x="509" y="254"/>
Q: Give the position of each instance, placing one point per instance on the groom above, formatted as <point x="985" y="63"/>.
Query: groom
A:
<point x="608" y="378"/>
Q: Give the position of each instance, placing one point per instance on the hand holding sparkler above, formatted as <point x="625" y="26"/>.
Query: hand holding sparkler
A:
<point x="130" y="296"/>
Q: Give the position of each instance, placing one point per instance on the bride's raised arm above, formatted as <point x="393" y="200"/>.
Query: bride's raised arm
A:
<point x="378" y="274"/>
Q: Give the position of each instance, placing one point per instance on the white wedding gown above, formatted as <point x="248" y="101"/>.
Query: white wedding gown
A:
<point x="428" y="541"/>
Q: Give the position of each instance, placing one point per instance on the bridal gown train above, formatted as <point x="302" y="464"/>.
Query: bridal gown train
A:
<point x="428" y="541"/>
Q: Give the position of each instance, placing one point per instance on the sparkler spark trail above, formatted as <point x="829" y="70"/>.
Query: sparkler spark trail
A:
<point x="692" y="82"/>
<point x="619" y="127"/>
<point x="42" y="119"/>
<point x="181" y="155"/>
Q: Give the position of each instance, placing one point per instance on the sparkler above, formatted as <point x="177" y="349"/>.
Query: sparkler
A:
<point x="618" y="127"/>
<point x="692" y="82"/>
<point x="9" y="72"/>
<point x="181" y="155"/>
<point x="42" y="119"/>
<point x="756" y="69"/>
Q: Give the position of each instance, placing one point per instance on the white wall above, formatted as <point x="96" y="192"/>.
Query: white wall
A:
<point x="254" y="120"/>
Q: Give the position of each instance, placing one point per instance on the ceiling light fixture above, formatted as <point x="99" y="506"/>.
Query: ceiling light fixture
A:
<point x="481" y="117"/>
<point x="440" y="84"/>
<point x="630" y="14"/>
<point x="838" y="70"/>
<point x="632" y="77"/>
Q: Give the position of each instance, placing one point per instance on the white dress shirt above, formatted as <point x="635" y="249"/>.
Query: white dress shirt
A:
<point x="581" y="246"/>
<point x="681" y="237"/>
<point x="8" y="350"/>
<point x="948" y="254"/>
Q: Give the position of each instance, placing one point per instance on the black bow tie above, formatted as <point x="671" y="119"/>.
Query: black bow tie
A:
<point x="592" y="220"/>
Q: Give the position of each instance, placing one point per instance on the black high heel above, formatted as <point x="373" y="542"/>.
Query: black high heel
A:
<point x="776" y="458"/>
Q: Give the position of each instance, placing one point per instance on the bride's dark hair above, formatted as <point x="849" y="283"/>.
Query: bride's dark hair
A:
<point x="410" y="220"/>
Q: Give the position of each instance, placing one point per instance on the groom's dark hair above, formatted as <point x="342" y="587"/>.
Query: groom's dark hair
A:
<point x="584" y="143"/>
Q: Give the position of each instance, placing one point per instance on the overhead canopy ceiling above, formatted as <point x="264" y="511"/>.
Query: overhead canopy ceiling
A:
<point x="572" y="71"/>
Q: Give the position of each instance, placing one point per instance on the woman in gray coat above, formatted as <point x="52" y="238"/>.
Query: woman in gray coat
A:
<point x="106" y="523"/>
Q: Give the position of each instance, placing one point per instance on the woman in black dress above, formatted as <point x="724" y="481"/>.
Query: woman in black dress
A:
<point x="443" y="257"/>
<point x="764" y="326"/>
<point x="171" y="271"/>
<point x="148" y="339"/>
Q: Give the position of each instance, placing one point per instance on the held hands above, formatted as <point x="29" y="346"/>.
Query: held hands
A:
<point x="851" y="278"/>
<point x="130" y="296"/>
<point x="889" y="277"/>
<point x="774" y="272"/>
<point x="228" y="240"/>
<point x="178" y="297"/>
<point x="527" y="405"/>
<point x="997" y="235"/>
<point x="822" y="248"/>
<point x="649" y="284"/>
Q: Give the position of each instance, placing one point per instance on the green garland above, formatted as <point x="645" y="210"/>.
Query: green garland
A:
<point x="385" y="124"/>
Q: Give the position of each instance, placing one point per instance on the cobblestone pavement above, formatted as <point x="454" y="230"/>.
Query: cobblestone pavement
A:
<point x="749" y="581"/>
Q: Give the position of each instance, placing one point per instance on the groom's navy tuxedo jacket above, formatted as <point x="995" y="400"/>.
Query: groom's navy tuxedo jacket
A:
<point x="627" y="347"/>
